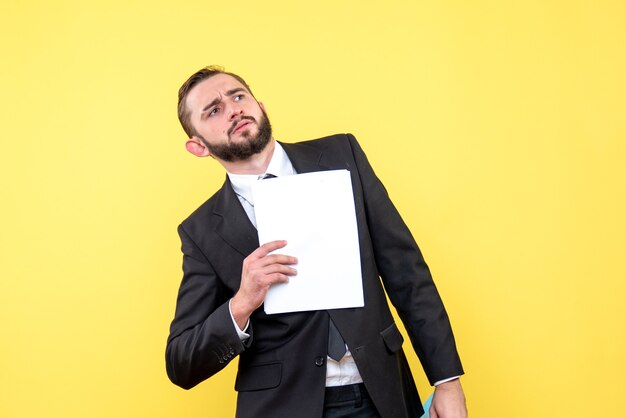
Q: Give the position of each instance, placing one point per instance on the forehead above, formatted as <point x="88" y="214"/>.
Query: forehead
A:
<point x="207" y="90"/>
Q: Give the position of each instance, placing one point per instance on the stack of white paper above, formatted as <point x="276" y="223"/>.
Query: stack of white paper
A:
<point x="314" y="213"/>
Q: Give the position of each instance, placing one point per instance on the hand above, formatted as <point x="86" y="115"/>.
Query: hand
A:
<point x="260" y="270"/>
<point x="448" y="401"/>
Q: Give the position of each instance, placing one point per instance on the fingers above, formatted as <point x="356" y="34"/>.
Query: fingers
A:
<point x="278" y="273"/>
<point x="273" y="259"/>
<point x="270" y="270"/>
<point x="261" y="257"/>
<point x="268" y="247"/>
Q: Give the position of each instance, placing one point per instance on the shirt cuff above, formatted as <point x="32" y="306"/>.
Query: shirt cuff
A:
<point x="437" y="383"/>
<point x="242" y="334"/>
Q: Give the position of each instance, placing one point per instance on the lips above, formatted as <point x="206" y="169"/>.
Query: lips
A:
<point x="238" y="126"/>
<point x="242" y="124"/>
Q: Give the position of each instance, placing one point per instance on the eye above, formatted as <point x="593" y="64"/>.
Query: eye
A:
<point x="238" y="97"/>
<point x="213" y="111"/>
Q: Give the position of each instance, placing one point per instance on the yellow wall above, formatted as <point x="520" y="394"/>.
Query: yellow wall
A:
<point x="499" y="129"/>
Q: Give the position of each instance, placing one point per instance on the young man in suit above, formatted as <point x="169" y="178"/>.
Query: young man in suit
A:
<point x="335" y="363"/>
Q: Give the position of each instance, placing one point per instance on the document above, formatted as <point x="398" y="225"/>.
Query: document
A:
<point x="315" y="214"/>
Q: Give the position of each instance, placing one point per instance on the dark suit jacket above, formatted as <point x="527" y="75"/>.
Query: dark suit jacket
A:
<point x="282" y="367"/>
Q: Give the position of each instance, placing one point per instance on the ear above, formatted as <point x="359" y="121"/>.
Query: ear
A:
<point x="262" y="106"/>
<point x="195" y="146"/>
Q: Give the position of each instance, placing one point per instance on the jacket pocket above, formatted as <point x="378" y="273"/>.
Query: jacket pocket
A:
<point x="258" y="377"/>
<point x="393" y="338"/>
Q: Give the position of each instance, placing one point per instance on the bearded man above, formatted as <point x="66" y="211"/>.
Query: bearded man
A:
<point x="318" y="364"/>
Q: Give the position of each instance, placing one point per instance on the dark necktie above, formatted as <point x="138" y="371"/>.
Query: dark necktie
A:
<point x="336" y="344"/>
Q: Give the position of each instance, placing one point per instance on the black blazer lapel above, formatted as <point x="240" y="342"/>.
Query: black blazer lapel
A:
<point x="233" y="224"/>
<point x="304" y="158"/>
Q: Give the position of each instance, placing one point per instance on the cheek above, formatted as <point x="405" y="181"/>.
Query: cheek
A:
<point x="215" y="131"/>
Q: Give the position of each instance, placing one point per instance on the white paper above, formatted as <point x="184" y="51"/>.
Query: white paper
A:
<point x="314" y="213"/>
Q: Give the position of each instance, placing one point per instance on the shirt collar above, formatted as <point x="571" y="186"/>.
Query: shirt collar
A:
<point x="279" y="166"/>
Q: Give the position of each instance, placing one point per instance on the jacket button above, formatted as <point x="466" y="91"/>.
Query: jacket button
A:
<point x="319" y="361"/>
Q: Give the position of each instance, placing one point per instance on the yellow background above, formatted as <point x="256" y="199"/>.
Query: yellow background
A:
<point x="498" y="128"/>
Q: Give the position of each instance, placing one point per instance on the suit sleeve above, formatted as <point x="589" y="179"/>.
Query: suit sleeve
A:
<point x="406" y="278"/>
<point x="202" y="339"/>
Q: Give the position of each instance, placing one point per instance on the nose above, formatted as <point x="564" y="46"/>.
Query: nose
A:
<point x="235" y="111"/>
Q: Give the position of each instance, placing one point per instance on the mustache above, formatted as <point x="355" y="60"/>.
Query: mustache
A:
<point x="235" y="122"/>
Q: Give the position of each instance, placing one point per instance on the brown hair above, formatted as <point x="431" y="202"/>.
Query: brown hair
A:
<point x="197" y="77"/>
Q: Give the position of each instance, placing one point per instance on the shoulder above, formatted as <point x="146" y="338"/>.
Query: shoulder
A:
<point x="205" y="211"/>
<point x="338" y="145"/>
<point x="326" y="142"/>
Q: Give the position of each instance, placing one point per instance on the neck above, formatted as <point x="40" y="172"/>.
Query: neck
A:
<point x="257" y="164"/>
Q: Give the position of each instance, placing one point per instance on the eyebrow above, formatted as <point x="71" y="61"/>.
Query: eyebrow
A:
<point x="219" y="99"/>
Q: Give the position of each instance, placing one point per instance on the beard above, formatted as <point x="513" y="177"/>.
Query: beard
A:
<point x="252" y="144"/>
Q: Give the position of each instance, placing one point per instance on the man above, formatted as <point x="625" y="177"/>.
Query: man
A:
<point x="285" y="364"/>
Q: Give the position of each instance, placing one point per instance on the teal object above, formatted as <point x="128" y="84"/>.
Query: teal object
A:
<point x="427" y="406"/>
